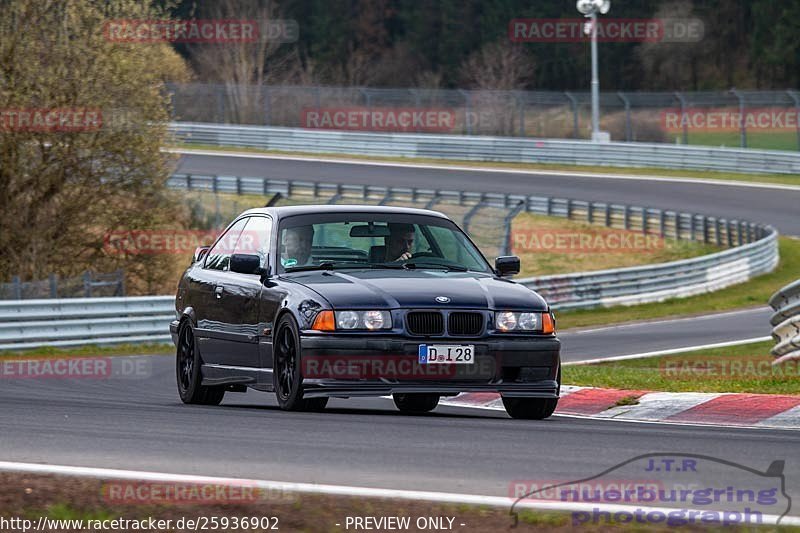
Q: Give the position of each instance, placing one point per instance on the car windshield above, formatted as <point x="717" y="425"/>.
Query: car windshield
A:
<point x="376" y="241"/>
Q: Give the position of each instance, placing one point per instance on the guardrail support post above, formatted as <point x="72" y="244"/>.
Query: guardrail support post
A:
<point x="569" y="209"/>
<point x="717" y="232"/>
<point x="677" y="226"/>
<point x="644" y="220"/>
<point x="705" y="229"/>
<point x="627" y="218"/>
<point x="692" y="227"/>
<point x="662" y="219"/>
<point x="729" y="232"/>
<point x="608" y="216"/>
<point x="589" y="213"/>
<point x="549" y="206"/>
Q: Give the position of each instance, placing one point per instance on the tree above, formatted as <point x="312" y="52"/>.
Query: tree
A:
<point x="63" y="188"/>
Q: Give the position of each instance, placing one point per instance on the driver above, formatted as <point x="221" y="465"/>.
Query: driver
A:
<point x="297" y="245"/>
<point x="400" y="242"/>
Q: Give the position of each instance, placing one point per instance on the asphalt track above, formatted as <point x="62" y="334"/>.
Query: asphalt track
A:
<point x="781" y="208"/>
<point x="139" y="423"/>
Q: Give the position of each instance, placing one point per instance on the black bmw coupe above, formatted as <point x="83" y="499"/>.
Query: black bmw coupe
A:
<point x="314" y="302"/>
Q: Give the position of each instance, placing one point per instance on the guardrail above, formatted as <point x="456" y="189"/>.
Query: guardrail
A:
<point x="754" y="247"/>
<point x="786" y="322"/>
<point x="79" y="321"/>
<point x="754" y="250"/>
<point x="505" y="149"/>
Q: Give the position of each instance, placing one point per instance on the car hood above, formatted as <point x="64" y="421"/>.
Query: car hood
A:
<point x="418" y="289"/>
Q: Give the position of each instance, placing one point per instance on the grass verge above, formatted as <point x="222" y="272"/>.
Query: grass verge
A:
<point x="751" y="293"/>
<point x="92" y="351"/>
<point x="784" y="179"/>
<point x="30" y="497"/>
<point x="552" y="245"/>
<point x="745" y="368"/>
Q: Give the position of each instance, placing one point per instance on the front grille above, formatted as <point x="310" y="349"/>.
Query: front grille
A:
<point x="425" y="323"/>
<point x="465" y="323"/>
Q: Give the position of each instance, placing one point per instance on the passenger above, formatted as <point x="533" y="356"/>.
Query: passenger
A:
<point x="297" y="246"/>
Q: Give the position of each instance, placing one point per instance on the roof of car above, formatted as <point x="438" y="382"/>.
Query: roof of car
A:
<point x="315" y="209"/>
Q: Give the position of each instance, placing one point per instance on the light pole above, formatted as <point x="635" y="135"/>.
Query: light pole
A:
<point x="590" y="9"/>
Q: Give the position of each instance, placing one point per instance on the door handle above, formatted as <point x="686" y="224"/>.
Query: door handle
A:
<point x="218" y="292"/>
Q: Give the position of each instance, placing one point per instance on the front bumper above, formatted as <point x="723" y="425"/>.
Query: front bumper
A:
<point x="513" y="367"/>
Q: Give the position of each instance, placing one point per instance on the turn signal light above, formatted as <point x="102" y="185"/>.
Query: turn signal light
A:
<point x="324" y="321"/>
<point x="547" y="323"/>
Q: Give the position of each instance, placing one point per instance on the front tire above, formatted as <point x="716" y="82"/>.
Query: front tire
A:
<point x="187" y="370"/>
<point x="287" y="376"/>
<point x="530" y="408"/>
<point x="533" y="408"/>
<point x="416" y="403"/>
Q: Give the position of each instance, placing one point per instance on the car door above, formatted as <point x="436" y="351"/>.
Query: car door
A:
<point x="206" y="289"/>
<point x="240" y="298"/>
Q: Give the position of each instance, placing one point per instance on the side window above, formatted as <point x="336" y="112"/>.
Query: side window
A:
<point x="255" y="238"/>
<point x="219" y="257"/>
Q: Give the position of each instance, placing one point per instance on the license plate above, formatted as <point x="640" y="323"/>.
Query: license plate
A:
<point x="453" y="354"/>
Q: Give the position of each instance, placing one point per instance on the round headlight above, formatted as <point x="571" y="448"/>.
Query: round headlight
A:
<point x="506" y="321"/>
<point x="347" y="320"/>
<point x="374" y="319"/>
<point x="529" y="321"/>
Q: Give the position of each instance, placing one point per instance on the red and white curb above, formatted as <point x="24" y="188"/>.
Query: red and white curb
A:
<point x="726" y="409"/>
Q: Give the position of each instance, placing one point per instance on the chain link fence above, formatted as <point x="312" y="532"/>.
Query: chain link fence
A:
<point x="748" y="119"/>
<point x="89" y="284"/>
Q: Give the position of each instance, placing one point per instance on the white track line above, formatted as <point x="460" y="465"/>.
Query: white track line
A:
<point x="637" y="323"/>
<point x="339" y="490"/>
<point x="669" y="351"/>
<point x="577" y="174"/>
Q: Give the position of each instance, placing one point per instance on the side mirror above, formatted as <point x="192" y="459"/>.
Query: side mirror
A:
<point x="246" y="264"/>
<point x="199" y="253"/>
<point x="507" y="265"/>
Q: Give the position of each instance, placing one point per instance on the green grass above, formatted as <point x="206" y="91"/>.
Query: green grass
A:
<point x="529" y="231"/>
<point x="94" y="351"/>
<point x="785" y="179"/>
<point x="776" y="140"/>
<point x="744" y="368"/>
<point x="755" y="292"/>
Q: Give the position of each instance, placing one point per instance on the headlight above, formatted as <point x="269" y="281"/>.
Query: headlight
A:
<point x="506" y="321"/>
<point x="528" y="321"/>
<point x="346" y="319"/>
<point x="523" y="322"/>
<point x="371" y="320"/>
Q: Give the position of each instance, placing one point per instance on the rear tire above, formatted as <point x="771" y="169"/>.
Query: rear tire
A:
<point x="187" y="372"/>
<point x="287" y="376"/>
<point x="416" y="403"/>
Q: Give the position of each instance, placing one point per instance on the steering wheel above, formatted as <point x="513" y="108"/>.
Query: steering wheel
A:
<point x="423" y="254"/>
